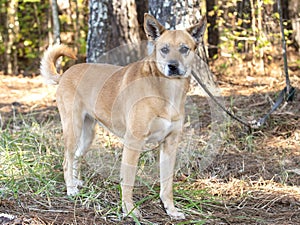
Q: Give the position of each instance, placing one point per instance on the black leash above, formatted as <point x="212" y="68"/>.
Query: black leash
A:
<point x="287" y="94"/>
<point x="287" y="79"/>
<point x="216" y="101"/>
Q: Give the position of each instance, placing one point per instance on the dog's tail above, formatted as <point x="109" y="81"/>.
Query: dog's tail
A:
<point x="48" y="69"/>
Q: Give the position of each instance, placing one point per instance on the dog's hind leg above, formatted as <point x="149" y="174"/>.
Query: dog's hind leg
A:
<point x="72" y="134"/>
<point x="86" y="139"/>
<point x="78" y="130"/>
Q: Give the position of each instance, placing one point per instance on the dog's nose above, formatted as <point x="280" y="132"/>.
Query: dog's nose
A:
<point x="173" y="65"/>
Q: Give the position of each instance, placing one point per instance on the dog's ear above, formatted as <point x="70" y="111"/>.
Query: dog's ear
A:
<point x="197" y="31"/>
<point x="152" y="27"/>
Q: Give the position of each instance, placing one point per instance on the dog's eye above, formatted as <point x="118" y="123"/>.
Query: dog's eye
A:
<point x="165" y="50"/>
<point x="184" y="49"/>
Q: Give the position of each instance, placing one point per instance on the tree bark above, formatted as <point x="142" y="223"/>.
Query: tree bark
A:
<point x="213" y="31"/>
<point x="163" y="11"/>
<point x="294" y="14"/>
<point x="98" y="29"/>
<point x="3" y="35"/>
<point x="126" y="28"/>
<point x="141" y="8"/>
<point x="244" y="14"/>
<point x="260" y="35"/>
<point x="76" y="26"/>
<point x="175" y="14"/>
<point x="112" y="24"/>
<point x="55" y="24"/>
<point x="12" y="30"/>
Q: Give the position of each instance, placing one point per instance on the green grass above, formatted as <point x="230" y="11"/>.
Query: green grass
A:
<point x="31" y="156"/>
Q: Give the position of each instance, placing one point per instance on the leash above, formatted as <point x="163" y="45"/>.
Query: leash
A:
<point x="287" y="94"/>
<point x="216" y="101"/>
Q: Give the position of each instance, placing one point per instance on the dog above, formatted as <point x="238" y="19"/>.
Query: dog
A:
<point x="140" y="103"/>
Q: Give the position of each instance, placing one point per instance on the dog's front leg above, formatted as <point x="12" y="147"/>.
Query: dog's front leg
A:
<point x="168" y="152"/>
<point x="128" y="171"/>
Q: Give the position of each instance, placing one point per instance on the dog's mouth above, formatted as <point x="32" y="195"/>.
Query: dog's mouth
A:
<point x="173" y="69"/>
<point x="175" y="72"/>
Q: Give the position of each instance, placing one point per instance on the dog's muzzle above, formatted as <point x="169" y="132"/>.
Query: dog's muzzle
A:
<point x="172" y="68"/>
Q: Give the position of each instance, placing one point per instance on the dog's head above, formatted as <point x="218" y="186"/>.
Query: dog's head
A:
<point x="174" y="49"/>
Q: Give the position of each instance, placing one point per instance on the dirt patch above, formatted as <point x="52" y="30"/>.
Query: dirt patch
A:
<point x="26" y="95"/>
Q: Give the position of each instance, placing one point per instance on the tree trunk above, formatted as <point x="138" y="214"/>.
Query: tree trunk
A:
<point x="213" y="31"/>
<point x="99" y="29"/>
<point x="141" y="8"/>
<point x="261" y="35"/>
<point x="39" y="26"/>
<point x="3" y="35"/>
<point x="112" y="24"/>
<point x="13" y="30"/>
<point x="76" y="26"/>
<point x="49" y="26"/>
<point x="125" y="28"/>
<point x="175" y="14"/>
<point x="294" y="14"/>
<point x="243" y="14"/>
<point x="163" y="11"/>
<point x="253" y="26"/>
<point x="55" y="20"/>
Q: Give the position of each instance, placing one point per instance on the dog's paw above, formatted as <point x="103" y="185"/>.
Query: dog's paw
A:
<point x="130" y="210"/>
<point x="72" y="190"/>
<point x="175" y="214"/>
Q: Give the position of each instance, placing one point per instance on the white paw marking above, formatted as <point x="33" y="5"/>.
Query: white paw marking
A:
<point x="72" y="190"/>
<point x="174" y="214"/>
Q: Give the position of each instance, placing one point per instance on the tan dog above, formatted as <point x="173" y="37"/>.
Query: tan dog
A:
<point x="142" y="102"/>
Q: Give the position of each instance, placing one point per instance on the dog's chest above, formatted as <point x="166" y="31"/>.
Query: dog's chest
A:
<point x="160" y="128"/>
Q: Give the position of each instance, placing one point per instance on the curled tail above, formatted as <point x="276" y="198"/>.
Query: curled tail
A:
<point x="48" y="69"/>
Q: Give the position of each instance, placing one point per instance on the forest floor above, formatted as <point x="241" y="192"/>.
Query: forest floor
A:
<point x="254" y="178"/>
